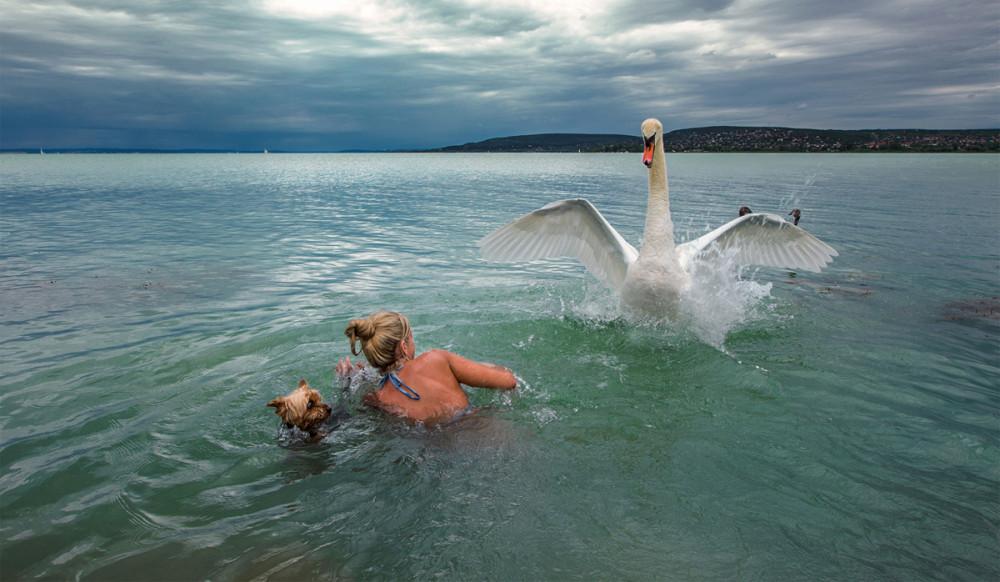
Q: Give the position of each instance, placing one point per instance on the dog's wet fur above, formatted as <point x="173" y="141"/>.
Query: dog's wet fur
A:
<point x="304" y="409"/>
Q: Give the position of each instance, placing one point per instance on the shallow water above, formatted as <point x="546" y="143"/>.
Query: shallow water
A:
<point x="841" y="425"/>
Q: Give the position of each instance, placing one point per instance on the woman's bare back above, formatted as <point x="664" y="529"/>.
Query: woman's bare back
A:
<point x="435" y="377"/>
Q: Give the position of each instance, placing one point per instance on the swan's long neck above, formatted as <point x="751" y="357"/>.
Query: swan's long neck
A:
<point x="658" y="235"/>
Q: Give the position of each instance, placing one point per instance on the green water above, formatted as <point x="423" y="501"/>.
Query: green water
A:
<point x="838" y="426"/>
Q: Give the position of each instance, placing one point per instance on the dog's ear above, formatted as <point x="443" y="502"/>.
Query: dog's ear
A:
<point x="279" y="404"/>
<point x="303" y="384"/>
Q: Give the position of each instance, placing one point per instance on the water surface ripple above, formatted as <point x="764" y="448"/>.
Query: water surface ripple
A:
<point x="833" y="426"/>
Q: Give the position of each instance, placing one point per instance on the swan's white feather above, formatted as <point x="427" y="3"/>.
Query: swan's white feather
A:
<point x="565" y="228"/>
<point x="762" y="239"/>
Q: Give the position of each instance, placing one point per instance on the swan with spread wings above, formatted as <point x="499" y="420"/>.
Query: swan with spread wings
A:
<point x="650" y="280"/>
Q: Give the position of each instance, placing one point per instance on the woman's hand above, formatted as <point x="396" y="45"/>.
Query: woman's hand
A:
<point x="344" y="368"/>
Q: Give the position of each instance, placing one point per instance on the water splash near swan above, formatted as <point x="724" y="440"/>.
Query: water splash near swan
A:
<point x="723" y="297"/>
<point x="720" y="299"/>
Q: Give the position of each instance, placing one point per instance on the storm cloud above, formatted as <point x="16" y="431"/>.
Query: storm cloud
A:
<point x="393" y="74"/>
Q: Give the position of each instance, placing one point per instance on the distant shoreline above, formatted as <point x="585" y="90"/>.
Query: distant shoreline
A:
<point x="756" y="139"/>
<point x="723" y="139"/>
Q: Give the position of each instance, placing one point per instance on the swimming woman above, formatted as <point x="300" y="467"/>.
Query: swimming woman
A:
<point x="425" y="388"/>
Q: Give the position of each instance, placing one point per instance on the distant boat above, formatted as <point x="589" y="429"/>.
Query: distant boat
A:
<point x="265" y="150"/>
<point x="41" y="151"/>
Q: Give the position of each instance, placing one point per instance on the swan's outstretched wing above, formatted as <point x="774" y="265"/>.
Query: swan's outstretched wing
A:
<point x="763" y="239"/>
<point x="566" y="228"/>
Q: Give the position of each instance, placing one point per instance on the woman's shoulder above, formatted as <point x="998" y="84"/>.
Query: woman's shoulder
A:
<point x="434" y="362"/>
<point x="439" y="361"/>
<point x="436" y="355"/>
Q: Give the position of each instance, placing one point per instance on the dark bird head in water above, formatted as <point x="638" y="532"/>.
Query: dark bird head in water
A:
<point x="797" y="214"/>
<point x="744" y="210"/>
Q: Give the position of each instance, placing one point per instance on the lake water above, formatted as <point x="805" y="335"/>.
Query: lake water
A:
<point x="796" y="426"/>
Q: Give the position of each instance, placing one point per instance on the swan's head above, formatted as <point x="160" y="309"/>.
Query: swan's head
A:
<point x="652" y="137"/>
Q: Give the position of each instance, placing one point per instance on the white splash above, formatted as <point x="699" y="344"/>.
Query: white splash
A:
<point x="721" y="298"/>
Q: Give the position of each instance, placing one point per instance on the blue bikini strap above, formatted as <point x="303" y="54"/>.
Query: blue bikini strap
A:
<point x="399" y="384"/>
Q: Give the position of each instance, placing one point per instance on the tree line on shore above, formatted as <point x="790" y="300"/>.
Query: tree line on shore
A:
<point x="753" y="139"/>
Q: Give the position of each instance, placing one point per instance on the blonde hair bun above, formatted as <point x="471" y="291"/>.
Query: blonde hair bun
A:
<point x="362" y="329"/>
<point x="379" y="335"/>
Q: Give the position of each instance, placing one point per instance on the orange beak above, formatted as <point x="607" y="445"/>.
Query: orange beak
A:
<point x="647" y="152"/>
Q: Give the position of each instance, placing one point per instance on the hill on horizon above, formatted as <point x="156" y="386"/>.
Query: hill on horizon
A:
<point x="751" y="139"/>
<point x="547" y="142"/>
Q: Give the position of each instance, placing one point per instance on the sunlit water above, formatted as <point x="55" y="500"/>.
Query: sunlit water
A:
<point x="834" y="426"/>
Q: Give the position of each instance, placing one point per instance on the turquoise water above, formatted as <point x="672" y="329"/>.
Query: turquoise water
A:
<point x="835" y="426"/>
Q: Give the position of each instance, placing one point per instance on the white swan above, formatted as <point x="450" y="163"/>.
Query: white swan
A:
<point x="651" y="280"/>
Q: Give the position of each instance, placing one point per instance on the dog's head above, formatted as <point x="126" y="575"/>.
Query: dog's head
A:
<point x="303" y="408"/>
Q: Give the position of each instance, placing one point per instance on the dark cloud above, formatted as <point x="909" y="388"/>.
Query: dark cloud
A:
<point x="394" y="74"/>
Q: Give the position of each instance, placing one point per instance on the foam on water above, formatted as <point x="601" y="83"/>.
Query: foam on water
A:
<point x="723" y="296"/>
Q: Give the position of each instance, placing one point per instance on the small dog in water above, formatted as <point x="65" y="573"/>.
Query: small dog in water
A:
<point x="303" y="408"/>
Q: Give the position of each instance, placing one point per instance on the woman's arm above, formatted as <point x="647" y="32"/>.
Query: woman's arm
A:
<point x="480" y="375"/>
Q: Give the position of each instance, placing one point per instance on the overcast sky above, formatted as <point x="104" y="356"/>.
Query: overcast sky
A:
<point x="391" y="74"/>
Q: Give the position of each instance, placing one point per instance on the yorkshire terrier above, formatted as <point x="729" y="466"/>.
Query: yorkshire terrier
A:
<point x="303" y="408"/>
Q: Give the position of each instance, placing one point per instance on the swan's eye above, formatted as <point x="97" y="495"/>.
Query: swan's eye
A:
<point x="648" y="141"/>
